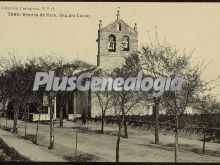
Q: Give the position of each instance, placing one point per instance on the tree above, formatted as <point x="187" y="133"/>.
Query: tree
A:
<point x="104" y="98"/>
<point x="30" y="96"/>
<point x="124" y="101"/>
<point x="3" y="94"/>
<point x="193" y="85"/>
<point x="206" y="105"/>
<point x="34" y="65"/>
<point x="6" y="64"/>
<point x="160" y="59"/>
<point x="60" y="68"/>
<point x="19" y="85"/>
<point x="152" y="61"/>
<point x="46" y="64"/>
<point x="50" y="64"/>
<point x="38" y="95"/>
<point x="105" y="103"/>
<point x="39" y="109"/>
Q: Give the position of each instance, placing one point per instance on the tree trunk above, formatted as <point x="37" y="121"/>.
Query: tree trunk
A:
<point x="124" y="123"/>
<point x="1" y="120"/>
<point x="176" y="140"/>
<point x="102" y="126"/>
<point x="118" y="141"/>
<point x="156" y="119"/>
<point x="204" y="139"/>
<point x="61" y="116"/>
<point x="6" y="121"/>
<point x="3" y="112"/>
<point x="16" y="107"/>
<point x="125" y="128"/>
<point x="3" y="107"/>
<point x="28" y="117"/>
<point x="25" y="128"/>
<point x="51" y="126"/>
<point x="38" y="122"/>
<point x="76" y="142"/>
<point x="76" y="134"/>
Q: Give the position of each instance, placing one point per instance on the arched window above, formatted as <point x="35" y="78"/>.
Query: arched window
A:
<point x="111" y="43"/>
<point x="119" y="26"/>
<point x="125" y="43"/>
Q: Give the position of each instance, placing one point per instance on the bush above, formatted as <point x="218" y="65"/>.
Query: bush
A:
<point x="82" y="158"/>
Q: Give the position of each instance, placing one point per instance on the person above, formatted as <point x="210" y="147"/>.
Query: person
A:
<point x="83" y="118"/>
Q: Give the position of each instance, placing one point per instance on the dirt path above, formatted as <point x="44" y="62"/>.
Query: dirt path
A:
<point x="26" y="148"/>
<point x="138" y="148"/>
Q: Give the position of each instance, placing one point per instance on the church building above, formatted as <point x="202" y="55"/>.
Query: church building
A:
<point x="115" y="41"/>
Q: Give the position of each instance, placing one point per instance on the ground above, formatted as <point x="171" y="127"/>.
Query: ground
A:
<point x="137" y="148"/>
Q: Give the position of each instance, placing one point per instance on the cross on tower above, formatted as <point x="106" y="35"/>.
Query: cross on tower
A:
<point x="118" y="13"/>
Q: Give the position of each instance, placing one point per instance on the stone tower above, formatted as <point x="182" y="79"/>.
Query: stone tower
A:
<point x="115" y="41"/>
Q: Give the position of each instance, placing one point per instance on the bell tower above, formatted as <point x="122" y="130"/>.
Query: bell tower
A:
<point x="115" y="41"/>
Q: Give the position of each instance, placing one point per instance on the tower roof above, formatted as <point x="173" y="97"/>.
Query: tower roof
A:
<point x="114" y="24"/>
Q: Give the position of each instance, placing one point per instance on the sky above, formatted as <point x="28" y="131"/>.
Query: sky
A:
<point x="190" y="26"/>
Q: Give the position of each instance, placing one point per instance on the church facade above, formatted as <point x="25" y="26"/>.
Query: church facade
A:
<point x="115" y="41"/>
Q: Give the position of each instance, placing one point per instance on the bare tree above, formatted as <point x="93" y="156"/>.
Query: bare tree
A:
<point x="206" y="106"/>
<point x="152" y="56"/>
<point x="125" y="101"/>
<point x="160" y="59"/>
<point x="104" y="98"/>
<point x="105" y="103"/>
<point x="19" y="85"/>
<point x="176" y="102"/>
<point x="122" y="108"/>
<point x="3" y="94"/>
<point x="39" y="109"/>
<point x="50" y="98"/>
<point x="49" y="64"/>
